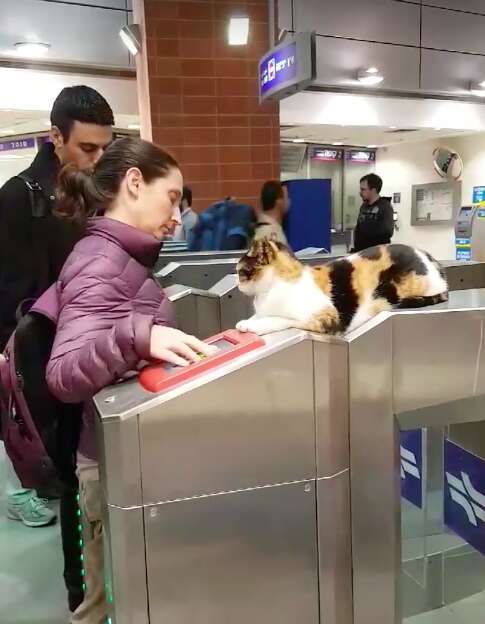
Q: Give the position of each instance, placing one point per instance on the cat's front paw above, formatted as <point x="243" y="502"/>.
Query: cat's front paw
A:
<point x="242" y="326"/>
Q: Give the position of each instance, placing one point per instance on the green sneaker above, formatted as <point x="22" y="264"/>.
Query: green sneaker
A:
<point x="30" y="510"/>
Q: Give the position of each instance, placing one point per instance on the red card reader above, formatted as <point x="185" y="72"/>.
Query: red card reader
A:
<point x="231" y="344"/>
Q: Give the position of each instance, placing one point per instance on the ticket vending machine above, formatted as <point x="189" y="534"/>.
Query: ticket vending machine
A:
<point x="470" y="233"/>
<point x="222" y="504"/>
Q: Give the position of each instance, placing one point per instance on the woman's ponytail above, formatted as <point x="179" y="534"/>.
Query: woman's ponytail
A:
<point x="81" y="194"/>
<point x="76" y="195"/>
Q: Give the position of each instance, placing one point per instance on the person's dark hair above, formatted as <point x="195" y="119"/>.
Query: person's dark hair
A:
<point x="187" y="195"/>
<point x="373" y="181"/>
<point x="270" y="193"/>
<point x="81" y="194"/>
<point x="82" y="104"/>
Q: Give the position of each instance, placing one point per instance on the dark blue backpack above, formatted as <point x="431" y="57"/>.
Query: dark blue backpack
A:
<point x="226" y="225"/>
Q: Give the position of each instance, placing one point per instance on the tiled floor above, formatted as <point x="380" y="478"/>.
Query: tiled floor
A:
<point x="468" y="611"/>
<point x="31" y="586"/>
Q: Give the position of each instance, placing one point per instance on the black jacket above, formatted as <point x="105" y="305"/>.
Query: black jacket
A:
<point x="375" y="225"/>
<point x="32" y="249"/>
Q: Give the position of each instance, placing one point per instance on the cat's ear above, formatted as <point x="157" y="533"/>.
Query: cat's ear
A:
<point x="254" y="249"/>
<point x="273" y="245"/>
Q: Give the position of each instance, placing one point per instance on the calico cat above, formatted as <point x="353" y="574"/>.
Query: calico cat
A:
<point x="339" y="296"/>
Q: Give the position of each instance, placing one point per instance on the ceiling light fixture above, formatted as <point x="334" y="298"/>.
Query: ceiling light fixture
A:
<point x="6" y="131"/>
<point x="338" y="143"/>
<point x="131" y="36"/>
<point x="298" y="140"/>
<point x="32" y="49"/>
<point x="370" y="76"/>
<point x="134" y="126"/>
<point x="371" y="146"/>
<point x="238" y="31"/>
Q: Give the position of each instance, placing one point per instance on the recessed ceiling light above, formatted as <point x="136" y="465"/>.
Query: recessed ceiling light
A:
<point x="338" y="143"/>
<point x="238" y="31"/>
<point x="6" y="131"/>
<point x="32" y="49"/>
<point x="370" y="76"/>
<point x="134" y="126"/>
<point x="130" y="35"/>
<point x="298" y="140"/>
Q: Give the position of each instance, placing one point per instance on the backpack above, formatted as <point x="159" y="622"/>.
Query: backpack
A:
<point x="225" y="225"/>
<point x="40" y="433"/>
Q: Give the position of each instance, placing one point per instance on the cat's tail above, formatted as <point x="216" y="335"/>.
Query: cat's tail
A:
<point x="422" y="302"/>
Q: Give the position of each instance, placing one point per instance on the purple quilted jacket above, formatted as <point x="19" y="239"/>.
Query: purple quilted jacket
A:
<point x="108" y="304"/>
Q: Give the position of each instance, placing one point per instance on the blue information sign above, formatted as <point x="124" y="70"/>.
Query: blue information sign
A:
<point x="412" y="466"/>
<point x="478" y="194"/>
<point x="278" y="67"/>
<point x="464" y="495"/>
<point x="287" y="67"/>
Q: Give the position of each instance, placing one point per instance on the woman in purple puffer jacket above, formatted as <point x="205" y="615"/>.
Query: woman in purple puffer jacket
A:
<point x="113" y="315"/>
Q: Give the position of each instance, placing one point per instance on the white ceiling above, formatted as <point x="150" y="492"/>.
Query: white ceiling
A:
<point x="365" y="136"/>
<point x="15" y="123"/>
<point x="81" y="31"/>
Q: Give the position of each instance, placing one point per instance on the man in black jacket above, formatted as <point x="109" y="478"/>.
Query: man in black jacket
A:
<point x="34" y="244"/>
<point x="375" y="225"/>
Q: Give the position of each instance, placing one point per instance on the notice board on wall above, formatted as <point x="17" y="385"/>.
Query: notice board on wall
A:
<point x="436" y="203"/>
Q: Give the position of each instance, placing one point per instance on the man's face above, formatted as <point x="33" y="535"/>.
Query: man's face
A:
<point x="84" y="146"/>
<point x="365" y="192"/>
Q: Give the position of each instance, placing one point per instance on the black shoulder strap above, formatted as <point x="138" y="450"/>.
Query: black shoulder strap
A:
<point x="38" y="202"/>
<point x="40" y="208"/>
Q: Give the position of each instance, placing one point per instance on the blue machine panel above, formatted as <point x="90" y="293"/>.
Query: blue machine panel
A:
<point x="309" y="219"/>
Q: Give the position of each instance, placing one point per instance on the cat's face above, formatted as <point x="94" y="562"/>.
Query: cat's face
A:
<point x="265" y="260"/>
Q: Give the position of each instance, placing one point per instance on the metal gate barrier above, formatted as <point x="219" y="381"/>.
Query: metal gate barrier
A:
<point x="206" y="312"/>
<point x="283" y="484"/>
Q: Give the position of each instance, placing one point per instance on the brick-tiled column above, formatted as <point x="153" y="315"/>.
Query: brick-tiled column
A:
<point x="201" y="95"/>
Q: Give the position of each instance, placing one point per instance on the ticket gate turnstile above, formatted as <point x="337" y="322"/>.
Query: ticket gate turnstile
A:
<point x="228" y="495"/>
<point x="222" y="505"/>
<point x="203" y="274"/>
<point x="206" y="312"/>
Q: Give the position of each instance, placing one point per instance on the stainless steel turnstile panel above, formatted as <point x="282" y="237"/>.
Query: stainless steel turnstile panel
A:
<point x="464" y="275"/>
<point x="410" y="370"/>
<point x="331" y="406"/>
<point x="249" y="428"/>
<point x="335" y="549"/>
<point x="452" y="348"/>
<point x="240" y="557"/>
<point x="125" y="565"/>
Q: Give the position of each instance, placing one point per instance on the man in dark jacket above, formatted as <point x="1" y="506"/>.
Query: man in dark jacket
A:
<point x="34" y="244"/>
<point x="375" y="225"/>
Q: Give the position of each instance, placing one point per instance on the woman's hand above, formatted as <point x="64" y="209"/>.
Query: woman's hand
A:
<point x="172" y="345"/>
